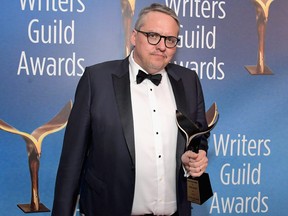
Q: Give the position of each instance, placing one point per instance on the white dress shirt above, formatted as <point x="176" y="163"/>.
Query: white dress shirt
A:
<point x="155" y="132"/>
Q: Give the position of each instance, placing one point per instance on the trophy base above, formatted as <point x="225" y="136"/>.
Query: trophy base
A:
<point x="27" y="209"/>
<point x="199" y="189"/>
<point x="252" y="69"/>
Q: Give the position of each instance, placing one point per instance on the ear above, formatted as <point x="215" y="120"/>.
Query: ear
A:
<point x="133" y="37"/>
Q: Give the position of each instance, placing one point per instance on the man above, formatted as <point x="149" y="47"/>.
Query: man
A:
<point x="122" y="149"/>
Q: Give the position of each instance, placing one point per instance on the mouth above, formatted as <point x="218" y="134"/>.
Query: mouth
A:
<point x="159" y="55"/>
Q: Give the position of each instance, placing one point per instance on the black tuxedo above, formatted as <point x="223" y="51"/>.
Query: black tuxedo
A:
<point x="98" y="155"/>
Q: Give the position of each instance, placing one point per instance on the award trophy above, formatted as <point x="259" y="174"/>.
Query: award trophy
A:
<point x="33" y="146"/>
<point x="199" y="189"/>
<point x="262" y="11"/>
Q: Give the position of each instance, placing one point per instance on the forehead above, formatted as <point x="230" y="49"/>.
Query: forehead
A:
<point x="160" y="22"/>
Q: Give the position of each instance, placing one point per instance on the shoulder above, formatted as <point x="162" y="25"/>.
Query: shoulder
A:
<point x="104" y="70"/>
<point x="180" y="71"/>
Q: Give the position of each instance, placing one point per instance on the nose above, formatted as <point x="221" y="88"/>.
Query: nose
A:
<point x="161" y="45"/>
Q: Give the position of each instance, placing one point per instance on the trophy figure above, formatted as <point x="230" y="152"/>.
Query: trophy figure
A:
<point x="262" y="11"/>
<point x="128" y="8"/>
<point x="199" y="189"/>
<point x="33" y="147"/>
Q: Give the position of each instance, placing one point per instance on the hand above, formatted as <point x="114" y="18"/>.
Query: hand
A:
<point x="195" y="164"/>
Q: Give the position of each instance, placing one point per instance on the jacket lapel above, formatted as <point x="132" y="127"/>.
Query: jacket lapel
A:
<point x="178" y="90"/>
<point x="179" y="95"/>
<point x="121" y="83"/>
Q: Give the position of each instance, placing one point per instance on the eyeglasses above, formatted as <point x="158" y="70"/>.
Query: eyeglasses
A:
<point x="154" y="38"/>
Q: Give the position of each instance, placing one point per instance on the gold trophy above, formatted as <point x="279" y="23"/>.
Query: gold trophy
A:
<point x="199" y="189"/>
<point x="262" y="11"/>
<point x="128" y="9"/>
<point x="33" y="146"/>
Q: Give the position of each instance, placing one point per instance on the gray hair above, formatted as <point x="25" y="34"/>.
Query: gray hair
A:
<point x="155" y="7"/>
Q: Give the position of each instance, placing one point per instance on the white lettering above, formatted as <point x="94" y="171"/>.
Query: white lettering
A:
<point x="51" y="34"/>
<point x="50" y="66"/>
<point x="200" y="38"/>
<point x="244" y="175"/>
<point x="239" y="205"/>
<point x="53" y="5"/>
<point x="197" y="8"/>
<point x="241" y="146"/>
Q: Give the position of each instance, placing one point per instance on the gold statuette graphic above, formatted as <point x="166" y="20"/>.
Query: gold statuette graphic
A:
<point x="128" y="9"/>
<point x="33" y="146"/>
<point x="262" y="11"/>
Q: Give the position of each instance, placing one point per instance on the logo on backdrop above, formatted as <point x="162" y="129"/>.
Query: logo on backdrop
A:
<point x="33" y="146"/>
<point x="262" y="11"/>
<point x="49" y="31"/>
<point x="128" y="9"/>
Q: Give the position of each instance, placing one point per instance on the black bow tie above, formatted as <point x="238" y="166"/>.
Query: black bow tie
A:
<point x="156" y="78"/>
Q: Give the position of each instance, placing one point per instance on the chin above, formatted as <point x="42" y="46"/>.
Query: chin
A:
<point x="157" y="69"/>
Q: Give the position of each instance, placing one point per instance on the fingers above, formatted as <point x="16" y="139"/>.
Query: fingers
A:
<point x="196" y="169"/>
<point x="195" y="164"/>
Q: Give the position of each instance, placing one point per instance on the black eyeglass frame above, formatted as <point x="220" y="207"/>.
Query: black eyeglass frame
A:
<point x="148" y="34"/>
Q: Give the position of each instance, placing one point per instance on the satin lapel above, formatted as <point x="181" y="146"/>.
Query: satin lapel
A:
<point x="178" y="90"/>
<point x="123" y="98"/>
<point x="179" y="95"/>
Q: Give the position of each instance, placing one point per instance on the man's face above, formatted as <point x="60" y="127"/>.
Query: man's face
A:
<point x="154" y="58"/>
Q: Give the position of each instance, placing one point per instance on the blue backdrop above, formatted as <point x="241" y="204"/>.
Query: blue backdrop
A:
<point x="248" y="148"/>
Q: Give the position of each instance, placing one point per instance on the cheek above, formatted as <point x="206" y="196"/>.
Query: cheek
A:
<point x="172" y="51"/>
<point x="170" y="54"/>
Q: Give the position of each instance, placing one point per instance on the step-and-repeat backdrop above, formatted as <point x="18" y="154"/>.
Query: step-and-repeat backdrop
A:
<point x="238" y="48"/>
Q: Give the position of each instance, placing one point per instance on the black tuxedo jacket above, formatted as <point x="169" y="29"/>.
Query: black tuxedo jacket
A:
<point x="98" y="155"/>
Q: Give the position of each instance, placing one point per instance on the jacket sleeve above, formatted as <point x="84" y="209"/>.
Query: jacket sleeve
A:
<point x="201" y="117"/>
<point x="75" y="145"/>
